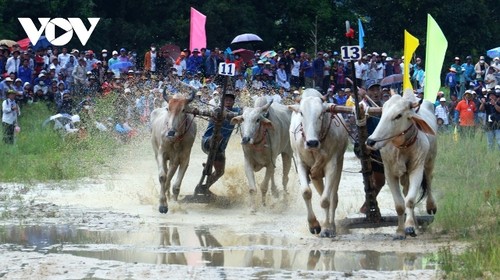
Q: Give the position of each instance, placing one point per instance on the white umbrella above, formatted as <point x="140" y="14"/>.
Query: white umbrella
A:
<point x="246" y="38"/>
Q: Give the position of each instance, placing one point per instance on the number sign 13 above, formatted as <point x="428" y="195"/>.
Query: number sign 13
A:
<point x="350" y="52"/>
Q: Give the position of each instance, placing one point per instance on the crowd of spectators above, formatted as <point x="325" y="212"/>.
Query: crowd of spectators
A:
<point x="71" y="80"/>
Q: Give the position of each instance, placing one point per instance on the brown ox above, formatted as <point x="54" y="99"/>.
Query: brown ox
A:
<point x="173" y="134"/>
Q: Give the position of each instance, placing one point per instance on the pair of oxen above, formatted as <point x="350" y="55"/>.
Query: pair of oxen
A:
<point x="317" y="139"/>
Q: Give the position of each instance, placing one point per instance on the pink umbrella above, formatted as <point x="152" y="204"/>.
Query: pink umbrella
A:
<point x="245" y="54"/>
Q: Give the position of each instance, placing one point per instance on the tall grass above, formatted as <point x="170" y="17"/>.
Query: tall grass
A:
<point x="467" y="181"/>
<point x="42" y="154"/>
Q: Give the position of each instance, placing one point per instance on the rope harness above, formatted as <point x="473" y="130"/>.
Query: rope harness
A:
<point x="408" y="142"/>
<point x="324" y="129"/>
<point x="187" y="124"/>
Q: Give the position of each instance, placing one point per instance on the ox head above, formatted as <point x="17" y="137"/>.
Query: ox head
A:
<point x="311" y="110"/>
<point x="253" y="121"/>
<point x="399" y="114"/>
<point x="176" y="108"/>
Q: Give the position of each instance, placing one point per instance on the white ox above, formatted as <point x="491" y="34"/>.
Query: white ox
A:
<point x="319" y="141"/>
<point x="173" y="134"/>
<point x="264" y="136"/>
<point x="405" y="137"/>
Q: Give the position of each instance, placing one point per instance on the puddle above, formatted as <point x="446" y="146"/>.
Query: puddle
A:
<point x="202" y="246"/>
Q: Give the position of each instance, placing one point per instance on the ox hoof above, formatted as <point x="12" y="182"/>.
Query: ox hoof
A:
<point x="410" y="231"/>
<point x="315" y="230"/>
<point x="163" y="209"/>
<point x="176" y="192"/>
<point x="328" y="233"/>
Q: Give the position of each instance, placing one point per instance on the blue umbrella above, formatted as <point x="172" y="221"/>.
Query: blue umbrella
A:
<point x="121" y="65"/>
<point x="42" y="43"/>
<point x="493" y="52"/>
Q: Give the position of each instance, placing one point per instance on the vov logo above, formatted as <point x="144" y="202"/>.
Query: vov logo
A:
<point x="49" y="25"/>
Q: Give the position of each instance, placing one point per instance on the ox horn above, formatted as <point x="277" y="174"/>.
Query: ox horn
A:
<point x="266" y="107"/>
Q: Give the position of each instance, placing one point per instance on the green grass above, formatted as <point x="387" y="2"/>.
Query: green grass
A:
<point x="467" y="181"/>
<point x="42" y="154"/>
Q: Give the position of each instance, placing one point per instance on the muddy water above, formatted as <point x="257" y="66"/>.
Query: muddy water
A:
<point x="202" y="246"/>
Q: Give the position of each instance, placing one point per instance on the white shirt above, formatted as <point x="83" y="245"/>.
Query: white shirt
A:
<point x="181" y="67"/>
<point x="195" y="83"/>
<point x="153" y="61"/>
<point x="256" y="84"/>
<point x="442" y="112"/>
<point x="63" y="58"/>
<point x="240" y="84"/>
<point x="8" y="115"/>
<point x="12" y="65"/>
<point x="359" y="68"/>
<point x="296" y="68"/>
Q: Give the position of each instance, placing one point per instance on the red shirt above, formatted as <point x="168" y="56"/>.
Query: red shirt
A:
<point x="466" y="109"/>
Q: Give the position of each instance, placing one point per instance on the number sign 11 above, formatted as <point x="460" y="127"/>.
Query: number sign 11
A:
<point x="226" y="69"/>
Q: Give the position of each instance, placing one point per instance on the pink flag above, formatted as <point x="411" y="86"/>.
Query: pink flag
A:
<point x="197" y="36"/>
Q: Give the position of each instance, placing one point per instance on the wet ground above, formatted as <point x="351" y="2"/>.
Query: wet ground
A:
<point x="109" y="228"/>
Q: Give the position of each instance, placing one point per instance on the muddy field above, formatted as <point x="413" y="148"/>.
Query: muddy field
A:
<point x="109" y="228"/>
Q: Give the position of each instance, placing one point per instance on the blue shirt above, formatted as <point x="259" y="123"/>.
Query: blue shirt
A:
<point x="194" y="63"/>
<point x="308" y="69"/>
<point x="226" y="131"/>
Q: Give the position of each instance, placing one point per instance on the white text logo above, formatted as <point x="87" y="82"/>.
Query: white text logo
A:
<point x="49" y="25"/>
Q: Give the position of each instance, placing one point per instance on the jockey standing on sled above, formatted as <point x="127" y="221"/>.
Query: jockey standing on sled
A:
<point x="377" y="177"/>
<point x="226" y="131"/>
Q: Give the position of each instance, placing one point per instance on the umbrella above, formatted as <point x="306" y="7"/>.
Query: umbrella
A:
<point x="8" y="43"/>
<point x="245" y="54"/>
<point x="42" y="43"/>
<point x="121" y="65"/>
<point x="24" y="43"/>
<point x="173" y="50"/>
<point x="246" y="38"/>
<point x="493" y="52"/>
<point x="268" y="54"/>
<point x="392" y="79"/>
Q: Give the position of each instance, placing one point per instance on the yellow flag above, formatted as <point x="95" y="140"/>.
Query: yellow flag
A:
<point x="435" y="50"/>
<point x="411" y="44"/>
<point x="455" y="134"/>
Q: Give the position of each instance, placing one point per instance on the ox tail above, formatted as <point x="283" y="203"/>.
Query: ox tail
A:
<point x="424" y="186"/>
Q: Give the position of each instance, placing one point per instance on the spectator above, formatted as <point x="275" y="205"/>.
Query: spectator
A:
<point x="318" y="67"/>
<point x="480" y="68"/>
<point x="63" y="57"/>
<point x="5" y="86"/>
<point x="13" y="63"/>
<point x="469" y="72"/>
<point x="55" y="66"/>
<point x="194" y="62"/>
<point x="181" y="64"/>
<point x="442" y="114"/>
<point x="295" y="72"/>
<point x="360" y="70"/>
<point x="281" y="77"/>
<point x="466" y="109"/>
<point x="451" y="81"/>
<point x="150" y="59"/>
<point x="79" y="75"/>
<point x="66" y="106"/>
<point x="10" y="112"/>
<point x="25" y="73"/>
<point x="240" y="83"/>
<point x="28" y="93"/>
<point x="490" y="79"/>
<point x="491" y="106"/>
<point x="308" y="70"/>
